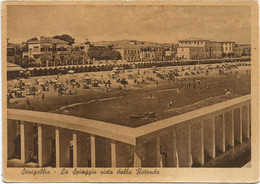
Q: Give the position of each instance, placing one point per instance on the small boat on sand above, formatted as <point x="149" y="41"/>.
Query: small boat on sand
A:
<point x="143" y="115"/>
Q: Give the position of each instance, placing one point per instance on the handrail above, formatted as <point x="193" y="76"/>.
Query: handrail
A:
<point x="205" y="111"/>
<point x="93" y="127"/>
<point x="119" y="132"/>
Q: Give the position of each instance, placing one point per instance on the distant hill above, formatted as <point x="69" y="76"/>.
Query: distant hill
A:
<point x="120" y="43"/>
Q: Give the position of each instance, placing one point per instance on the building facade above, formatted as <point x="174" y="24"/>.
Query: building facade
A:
<point x="159" y="53"/>
<point x="46" y="46"/>
<point x="191" y="53"/>
<point x="170" y="51"/>
<point x="193" y="49"/>
<point x="228" y="47"/>
<point x="189" y="49"/>
<point x="243" y="50"/>
<point x="14" y="53"/>
<point x="147" y="54"/>
<point x="130" y="54"/>
<point x="216" y="49"/>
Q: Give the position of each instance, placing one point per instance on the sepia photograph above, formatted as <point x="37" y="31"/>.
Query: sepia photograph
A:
<point x="124" y="90"/>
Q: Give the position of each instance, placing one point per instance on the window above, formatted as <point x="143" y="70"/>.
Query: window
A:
<point x="10" y="52"/>
<point x="182" y="50"/>
<point x="36" y="48"/>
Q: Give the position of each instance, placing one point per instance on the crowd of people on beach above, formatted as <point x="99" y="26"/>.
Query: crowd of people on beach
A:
<point x="189" y="77"/>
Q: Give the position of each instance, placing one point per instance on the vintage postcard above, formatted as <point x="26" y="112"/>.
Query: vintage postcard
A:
<point x="130" y="91"/>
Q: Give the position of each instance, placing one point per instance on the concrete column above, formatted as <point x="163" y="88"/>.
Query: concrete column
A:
<point x="209" y="138"/>
<point x="11" y="138"/>
<point x="220" y="133"/>
<point x="241" y="124"/>
<point x="197" y="143"/>
<point x="245" y="122"/>
<point x="174" y="150"/>
<point x="75" y="149"/>
<point x="57" y="144"/>
<point x="82" y="149"/>
<point x="229" y="125"/>
<point x="63" y="138"/>
<point x="189" y="145"/>
<point x="158" y="153"/>
<point x="249" y="114"/>
<point x="237" y="125"/>
<point x="249" y="119"/>
<point x="183" y="139"/>
<point x="93" y="151"/>
<point x="27" y="144"/>
<point x="113" y="153"/>
<point x="45" y="134"/>
<point x="152" y="153"/>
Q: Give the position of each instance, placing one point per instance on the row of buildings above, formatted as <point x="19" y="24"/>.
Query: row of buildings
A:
<point x="185" y="49"/>
<point x="134" y="51"/>
<point x="205" y="49"/>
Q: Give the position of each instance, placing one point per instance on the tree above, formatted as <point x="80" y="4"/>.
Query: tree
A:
<point x="29" y="62"/>
<point x="82" y="56"/>
<point x="66" y="59"/>
<point x="57" y="60"/>
<point x="103" y="53"/>
<point x="78" y="56"/>
<point x="230" y="54"/>
<point x="73" y="58"/>
<point x="65" y="37"/>
<point x="45" y="59"/>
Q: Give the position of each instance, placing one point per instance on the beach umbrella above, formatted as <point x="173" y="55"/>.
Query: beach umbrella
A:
<point x="15" y="89"/>
<point x="28" y="84"/>
<point x="54" y="81"/>
<point x="71" y="71"/>
<point x="41" y="83"/>
<point x="86" y="78"/>
<point x="15" y="81"/>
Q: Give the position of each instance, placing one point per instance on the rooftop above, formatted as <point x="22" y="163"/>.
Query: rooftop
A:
<point x="43" y="39"/>
<point x="13" y="67"/>
<point x="194" y="39"/>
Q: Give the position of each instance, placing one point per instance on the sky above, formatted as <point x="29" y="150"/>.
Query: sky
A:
<point x="164" y="24"/>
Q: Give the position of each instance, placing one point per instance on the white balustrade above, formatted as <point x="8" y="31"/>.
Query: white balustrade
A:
<point x="72" y="142"/>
